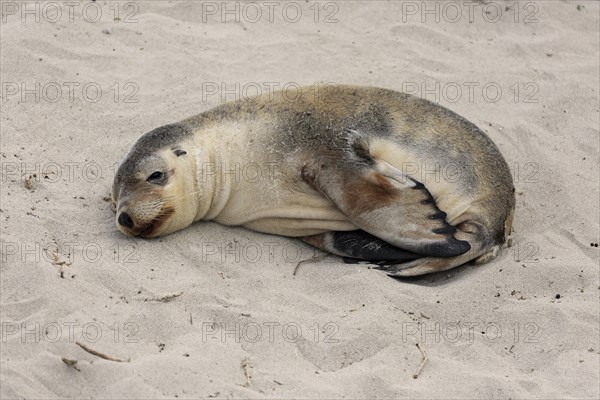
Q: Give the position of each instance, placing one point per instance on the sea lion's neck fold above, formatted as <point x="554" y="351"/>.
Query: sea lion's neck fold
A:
<point x="213" y="187"/>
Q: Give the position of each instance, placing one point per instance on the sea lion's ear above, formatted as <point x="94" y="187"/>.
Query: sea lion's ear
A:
<point x="179" y="152"/>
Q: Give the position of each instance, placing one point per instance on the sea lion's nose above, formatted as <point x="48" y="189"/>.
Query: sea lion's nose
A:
<point x="125" y="220"/>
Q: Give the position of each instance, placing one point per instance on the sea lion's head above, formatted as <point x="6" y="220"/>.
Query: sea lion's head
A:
<point x="154" y="185"/>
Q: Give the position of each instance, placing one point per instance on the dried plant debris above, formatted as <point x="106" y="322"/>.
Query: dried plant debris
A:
<point x="98" y="354"/>
<point x="71" y="363"/>
<point x="29" y="182"/>
<point x="247" y="368"/>
<point x="423" y="362"/>
<point x="164" y="299"/>
<point x="315" y="258"/>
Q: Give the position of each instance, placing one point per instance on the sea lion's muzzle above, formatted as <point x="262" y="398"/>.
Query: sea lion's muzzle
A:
<point x="133" y="223"/>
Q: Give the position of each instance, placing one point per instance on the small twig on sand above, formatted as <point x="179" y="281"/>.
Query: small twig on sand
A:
<point x="246" y="367"/>
<point x="57" y="261"/>
<point x="98" y="354"/>
<point x="165" y="299"/>
<point x="423" y="361"/>
<point x="314" y="258"/>
<point x="29" y="183"/>
<point x="70" y="363"/>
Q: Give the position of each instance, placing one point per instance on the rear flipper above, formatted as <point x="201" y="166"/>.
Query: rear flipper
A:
<point x="360" y="246"/>
<point x="428" y="265"/>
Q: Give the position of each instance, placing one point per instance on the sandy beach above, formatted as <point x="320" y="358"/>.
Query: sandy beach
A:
<point x="221" y="312"/>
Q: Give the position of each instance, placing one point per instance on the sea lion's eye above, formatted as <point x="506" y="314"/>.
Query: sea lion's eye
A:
<point x="156" y="177"/>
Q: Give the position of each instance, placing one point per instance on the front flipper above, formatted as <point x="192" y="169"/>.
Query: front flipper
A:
<point x="384" y="202"/>
<point x="360" y="246"/>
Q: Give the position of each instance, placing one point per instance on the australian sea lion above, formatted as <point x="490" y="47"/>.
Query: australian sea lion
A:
<point x="364" y="173"/>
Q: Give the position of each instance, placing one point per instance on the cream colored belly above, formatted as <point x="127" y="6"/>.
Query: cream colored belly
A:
<point x="285" y="213"/>
<point x="299" y="227"/>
